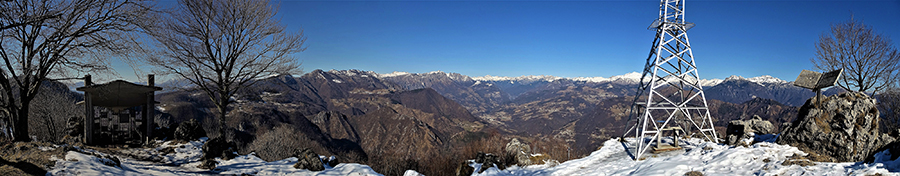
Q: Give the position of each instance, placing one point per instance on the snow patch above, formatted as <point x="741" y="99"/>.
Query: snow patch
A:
<point x="412" y="173"/>
<point x="393" y="74"/>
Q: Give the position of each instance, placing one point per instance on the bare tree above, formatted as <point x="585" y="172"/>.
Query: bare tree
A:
<point x="43" y="39"/>
<point x="223" y="46"/>
<point x="870" y="61"/>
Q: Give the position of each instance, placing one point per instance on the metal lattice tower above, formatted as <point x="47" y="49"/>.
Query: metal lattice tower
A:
<point x="670" y="93"/>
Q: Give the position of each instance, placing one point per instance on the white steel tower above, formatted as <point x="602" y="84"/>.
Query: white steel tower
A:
<point x="670" y="93"/>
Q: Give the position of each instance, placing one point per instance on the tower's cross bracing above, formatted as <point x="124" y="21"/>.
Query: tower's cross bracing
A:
<point x="670" y="94"/>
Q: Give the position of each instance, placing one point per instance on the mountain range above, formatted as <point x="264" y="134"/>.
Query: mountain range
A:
<point x="414" y="116"/>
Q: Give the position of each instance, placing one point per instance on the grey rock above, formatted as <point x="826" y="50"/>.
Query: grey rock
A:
<point x="189" y="130"/>
<point x="309" y="160"/>
<point x="488" y="160"/>
<point x="840" y="128"/>
<point x="520" y="151"/>
<point x="216" y="148"/>
<point x="463" y="169"/>
<point x="741" y="129"/>
<point x="74" y="126"/>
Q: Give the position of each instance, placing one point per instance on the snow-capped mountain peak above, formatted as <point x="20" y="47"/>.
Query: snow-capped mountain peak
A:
<point x="759" y="80"/>
<point x="633" y="77"/>
<point x="520" y="78"/>
<point x="735" y="77"/>
<point x="766" y="79"/>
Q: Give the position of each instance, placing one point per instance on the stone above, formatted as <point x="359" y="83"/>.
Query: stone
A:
<point x="741" y="129"/>
<point x="840" y="128"/>
<point x="489" y="160"/>
<point x="760" y="126"/>
<point x="464" y="169"/>
<point x="189" y="130"/>
<point x="332" y="161"/>
<point x="216" y="148"/>
<point x="74" y="126"/>
<point x="520" y="151"/>
<point x="309" y="160"/>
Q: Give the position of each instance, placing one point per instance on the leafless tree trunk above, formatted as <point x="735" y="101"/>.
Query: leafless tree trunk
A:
<point x="222" y="46"/>
<point x="45" y="38"/>
<point x="870" y="61"/>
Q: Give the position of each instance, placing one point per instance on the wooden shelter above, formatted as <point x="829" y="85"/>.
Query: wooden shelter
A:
<point x="125" y="109"/>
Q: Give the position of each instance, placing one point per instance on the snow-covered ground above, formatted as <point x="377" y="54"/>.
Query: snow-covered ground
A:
<point x="763" y="158"/>
<point x="184" y="161"/>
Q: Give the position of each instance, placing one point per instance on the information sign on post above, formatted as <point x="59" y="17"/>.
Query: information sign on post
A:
<point x="816" y="81"/>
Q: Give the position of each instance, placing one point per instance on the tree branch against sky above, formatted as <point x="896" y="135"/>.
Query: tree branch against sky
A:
<point x="870" y="60"/>
<point x="223" y="46"/>
<point x="45" y="38"/>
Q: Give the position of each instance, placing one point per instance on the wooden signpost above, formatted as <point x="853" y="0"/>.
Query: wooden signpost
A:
<point x="816" y="81"/>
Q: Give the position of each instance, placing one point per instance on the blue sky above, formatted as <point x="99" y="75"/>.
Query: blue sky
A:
<point x="567" y="38"/>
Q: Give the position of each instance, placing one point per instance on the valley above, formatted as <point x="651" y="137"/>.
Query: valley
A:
<point x="423" y="119"/>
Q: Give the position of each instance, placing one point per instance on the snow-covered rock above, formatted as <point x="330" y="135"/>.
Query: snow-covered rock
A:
<point x="709" y="158"/>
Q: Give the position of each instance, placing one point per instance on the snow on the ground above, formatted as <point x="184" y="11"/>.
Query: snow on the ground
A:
<point x="250" y="164"/>
<point x="184" y="161"/>
<point x="763" y="158"/>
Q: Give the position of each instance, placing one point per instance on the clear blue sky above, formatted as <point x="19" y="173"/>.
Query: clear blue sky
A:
<point x="567" y="38"/>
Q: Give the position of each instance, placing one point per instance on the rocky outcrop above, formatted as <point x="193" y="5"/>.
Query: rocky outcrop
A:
<point x="216" y="148"/>
<point x="520" y="151"/>
<point x="74" y="130"/>
<point x="309" y="160"/>
<point x="189" y="130"/>
<point x="464" y="168"/>
<point x="839" y="128"/>
<point x="741" y="129"/>
<point x="489" y="160"/>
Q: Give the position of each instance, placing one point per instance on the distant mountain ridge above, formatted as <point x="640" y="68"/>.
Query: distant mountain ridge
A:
<point x="734" y="89"/>
<point x="414" y="114"/>
<point x="632" y="77"/>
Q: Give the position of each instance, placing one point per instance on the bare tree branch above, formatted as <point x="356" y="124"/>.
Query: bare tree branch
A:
<point x="870" y="61"/>
<point x="223" y="46"/>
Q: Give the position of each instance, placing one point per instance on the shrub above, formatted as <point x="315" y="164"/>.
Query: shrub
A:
<point x="282" y="142"/>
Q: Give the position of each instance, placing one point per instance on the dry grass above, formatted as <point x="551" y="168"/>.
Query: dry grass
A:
<point x="798" y="160"/>
<point x="539" y="159"/>
<point x="693" y="173"/>
<point x="26" y="158"/>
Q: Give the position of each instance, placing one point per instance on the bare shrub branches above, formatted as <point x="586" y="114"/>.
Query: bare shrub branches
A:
<point x="889" y="109"/>
<point x="870" y="61"/>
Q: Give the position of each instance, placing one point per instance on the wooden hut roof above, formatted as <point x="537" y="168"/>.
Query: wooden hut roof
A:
<point x="118" y="94"/>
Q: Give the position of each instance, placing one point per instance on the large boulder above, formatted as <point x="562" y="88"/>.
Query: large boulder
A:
<point x="489" y="160"/>
<point x="216" y="148"/>
<point x="520" y="151"/>
<point x="838" y="128"/>
<point x="309" y="160"/>
<point x="741" y="129"/>
<point x="74" y="130"/>
<point x="189" y="130"/>
<point x="74" y="126"/>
